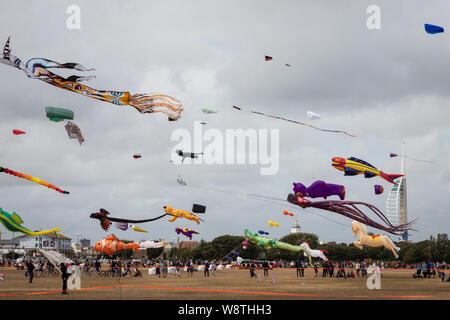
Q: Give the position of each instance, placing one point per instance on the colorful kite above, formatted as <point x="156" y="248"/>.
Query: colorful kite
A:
<point x="151" y="244"/>
<point x="432" y="29"/>
<point x="58" y="114"/>
<point x="271" y="243"/>
<point x="136" y="228"/>
<point x="74" y="131"/>
<point x="353" y="166"/>
<point x="350" y="210"/>
<point x="378" y="189"/>
<point x="105" y="220"/>
<point x="176" y="213"/>
<point x="17" y="132"/>
<point x="314" y="253"/>
<point x="318" y="189"/>
<point x="297" y="122"/>
<point x="271" y="223"/>
<point x="262" y="232"/>
<point x="392" y="155"/>
<point x="187" y="232"/>
<point x="37" y="68"/>
<point x="124" y="226"/>
<point x="111" y="245"/>
<point x="34" y="179"/>
<point x="13" y="222"/>
<point x="372" y="240"/>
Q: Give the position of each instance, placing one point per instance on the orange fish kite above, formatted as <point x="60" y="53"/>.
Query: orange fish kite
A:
<point x="111" y="245"/>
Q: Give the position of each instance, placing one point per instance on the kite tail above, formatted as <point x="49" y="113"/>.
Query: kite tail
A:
<point x="147" y="103"/>
<point x="38" y="233"/>
<point x="390" y="177"/>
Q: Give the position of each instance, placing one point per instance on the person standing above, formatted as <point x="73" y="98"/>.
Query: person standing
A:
<point x="297" y="266"/>
<point x="213" y="268"/>
<point x="266" y="268"/>
<point x="206" y="271"/>
<point x="316" y="268"/>
<point x="64" y="276"/>
<point x="252" y="270"/>
<point x="30" y="269"/>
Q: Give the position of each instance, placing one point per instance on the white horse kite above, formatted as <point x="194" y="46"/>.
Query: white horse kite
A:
<point x="314" y="253"/>
<point x="372" y="240"/>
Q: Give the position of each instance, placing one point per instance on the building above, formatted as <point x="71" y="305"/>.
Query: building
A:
<point x="295" y="229"/>
<point x="188" y="244"/>
<point x="396" y="204"/>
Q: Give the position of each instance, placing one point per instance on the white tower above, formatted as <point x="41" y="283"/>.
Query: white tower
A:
<point x="296" y="227"/>
<point x="396" y="206"/>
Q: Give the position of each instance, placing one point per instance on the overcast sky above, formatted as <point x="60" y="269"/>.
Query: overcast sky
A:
<point x="386" y="86"/>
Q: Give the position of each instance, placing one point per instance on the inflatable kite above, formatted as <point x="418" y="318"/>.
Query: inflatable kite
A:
<point x="13" y="222"/>
<point x="312" y="115"/>
<point x="136" y="228"/>
<point x="319" y="189"/>
<point x="124" y="226"/>
<point x="111" y="245"/>
<point x="392" y="155"/>
<point x="271" y="223"/>
<point x="353" y="166"/>
<point x="105" y="220"/>
<point x="297" y="122"/>
<point x="184" y="155"/>
<point x="176" y="213"/>
<point x="37" y="68"/>
<point x="187" y="232"/>
<point x="181" y="181"/>
<point x="432" y="29"/>
<point x="286" y="213"/>
<point x="34" y="179"/>
<point x="17" y="132"/>
<point x="207" y="111"/>
<point x="314" y="253"/>
<point x="151" y="244"/>
<point x="58" y="114"/>
<point x="378" y="189"/>
<point x="262" y="232"/>
<point x="372" y="240"/>
<point x="74" y="132"/>
<point x="350" y="210"/>
<point x="137" y="156"/>
<point x="271" y="243"/>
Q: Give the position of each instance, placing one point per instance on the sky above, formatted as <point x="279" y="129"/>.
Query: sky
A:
<point x="387" y="86"/>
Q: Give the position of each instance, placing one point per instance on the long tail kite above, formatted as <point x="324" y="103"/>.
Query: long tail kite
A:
<point x="31" y="178"/>
<point x="297" y="122"/>
<point x="105" y="220"/>
<point x="37" y="68"/>
<point x="13" y="222"/>
<point x="350" y="210"/>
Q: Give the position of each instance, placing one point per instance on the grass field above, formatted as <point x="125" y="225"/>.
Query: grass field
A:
<point x="226" y="285"/>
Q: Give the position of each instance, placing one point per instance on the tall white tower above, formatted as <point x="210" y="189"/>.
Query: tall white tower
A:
<point x="296" y="227"/>
<point x="396" y="206"/>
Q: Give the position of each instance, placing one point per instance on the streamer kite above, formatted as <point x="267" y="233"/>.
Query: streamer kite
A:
<point x="13" y="222"/>
<point x="353" y="166"/>
<point x="37" y="68"/>
<point x="393" y="155"/>
<point x="297" y="122"/>
<point x="105" y="220"/>
<point x="349" y="209"/>
<point x="31" y="178"/>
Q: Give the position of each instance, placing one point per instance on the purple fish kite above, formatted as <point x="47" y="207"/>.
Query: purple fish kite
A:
<point x="319" y="189"/>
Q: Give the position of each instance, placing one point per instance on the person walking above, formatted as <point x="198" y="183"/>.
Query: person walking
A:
<point x="206" y="272"/>
<point x="64" y="276"/>
<point x="266" y="268"/>
<point x="297" y="267"/>
<point x="252" y="270"/>
<point x="213" y="269"/>
<point x="30" y="269"/>
<point x="316" y="269"/>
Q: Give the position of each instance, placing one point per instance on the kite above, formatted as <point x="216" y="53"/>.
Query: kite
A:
<point x="245" y="244"/>
<point x="314" y="253"/>
<point x="353" y="166"/>
<point x="34" y="179"/>
<point x="287" y="65"/>
<point x="271" y="223"/>
<point x="74" y="131"/>
<point x="392" y="155"/>
<point x="378" y="189"/>
<point x="17" y="132"/>
<point x="151" y="244"/>
<point x="187" y="232"/>
<point x="136" y="228"/>
<point x="372" y="240"/>
<point x="181" y="181"/>
<point x="37" y="68"/>
<point x="432" y="29"/>
<point x="297" y="122"/>
<point x="207" y="111"/>
<point x="58" y="114"/>
<point x="312" y="115"/>
<point x="271" y="243"/>
<point x="13" y="222"/>
<point x="191" y="155"/>
<point x="286" y="213"/>
<point x="267" y="58"/>
<point x="262" y="232"/>
<point x="318" y="189"/>
<point x="124" y="226"/>
<point x="176" y="213"/>
<point x="105" y="221"/>
<point x="137" y="156"/>
<point x="350" y="210"/>
<point x="111" y="245"/>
